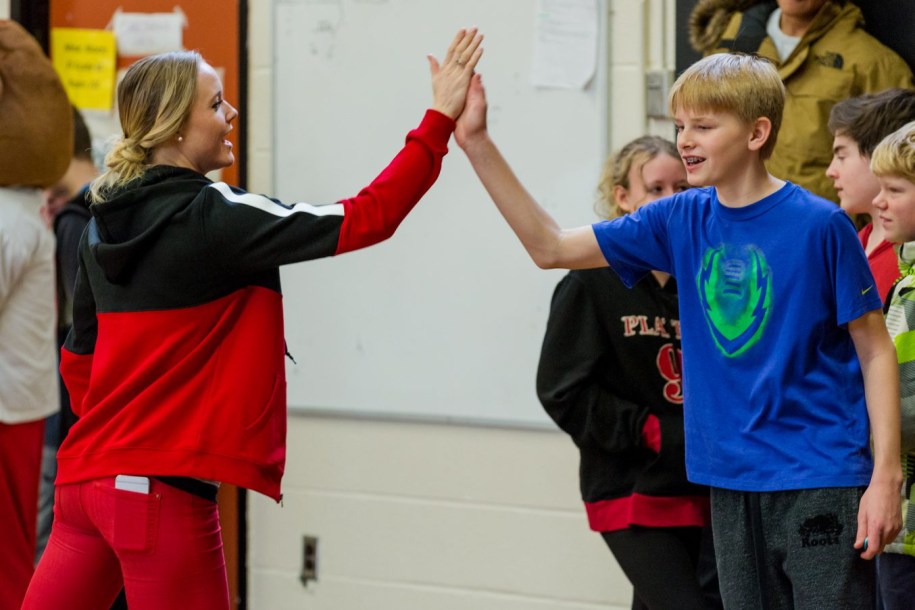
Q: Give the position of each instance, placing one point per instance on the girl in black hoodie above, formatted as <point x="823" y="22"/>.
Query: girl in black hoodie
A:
<point x="609" y="376"/>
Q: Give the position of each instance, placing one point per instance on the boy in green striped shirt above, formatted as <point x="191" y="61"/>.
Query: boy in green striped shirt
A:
<point x="893" y="163"/>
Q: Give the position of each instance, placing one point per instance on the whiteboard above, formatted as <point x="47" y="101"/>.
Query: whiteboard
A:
<point x="444" y="321"/>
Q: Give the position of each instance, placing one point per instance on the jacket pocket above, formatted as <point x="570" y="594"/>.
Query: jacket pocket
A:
<point x="273" y="402"/>
<point x="267" y="432"/>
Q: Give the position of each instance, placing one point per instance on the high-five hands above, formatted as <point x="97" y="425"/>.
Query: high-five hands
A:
<point x="451" y="79"/>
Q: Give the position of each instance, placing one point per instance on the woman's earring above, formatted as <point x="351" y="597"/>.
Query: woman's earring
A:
<point x="180" y="138"/>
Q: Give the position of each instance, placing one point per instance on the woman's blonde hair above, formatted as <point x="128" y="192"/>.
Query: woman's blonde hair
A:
<point x="616" y="170"/>
<point x="895" y="155"/>
<point x="154" y="100"/>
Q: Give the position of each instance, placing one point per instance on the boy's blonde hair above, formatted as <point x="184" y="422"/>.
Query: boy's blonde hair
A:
<point x="746" y="86"/>
<point x="616" y="170"/>
<point x="895" y="155"/>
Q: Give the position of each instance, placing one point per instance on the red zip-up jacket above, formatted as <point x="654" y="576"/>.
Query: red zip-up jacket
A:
<point x="175" y="363"/>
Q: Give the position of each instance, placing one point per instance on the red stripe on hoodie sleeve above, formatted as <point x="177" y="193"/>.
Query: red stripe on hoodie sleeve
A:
<point x="375" y="213"/>
<point x="75" y="370"/>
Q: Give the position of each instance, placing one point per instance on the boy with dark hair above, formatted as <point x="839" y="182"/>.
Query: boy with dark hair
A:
<point x="857" y="125"/>
<point x="893" y="162"/>
<point x="66" y="211"/>
<point x="786" y="355"/>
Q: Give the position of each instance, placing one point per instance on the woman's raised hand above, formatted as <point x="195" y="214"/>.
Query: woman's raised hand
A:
<point x="451" y="79"/>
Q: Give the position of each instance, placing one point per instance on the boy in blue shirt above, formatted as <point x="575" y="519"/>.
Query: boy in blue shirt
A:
<point x="783" y="338"/>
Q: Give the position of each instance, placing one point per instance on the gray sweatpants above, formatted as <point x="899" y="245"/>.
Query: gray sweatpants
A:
<point x="790" y="550"/>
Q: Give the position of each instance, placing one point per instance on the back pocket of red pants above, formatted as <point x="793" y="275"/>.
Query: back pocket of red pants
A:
<point x="135" y="525"/>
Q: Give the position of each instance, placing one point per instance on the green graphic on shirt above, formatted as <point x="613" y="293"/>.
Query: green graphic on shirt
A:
<point x="735" y="289"/>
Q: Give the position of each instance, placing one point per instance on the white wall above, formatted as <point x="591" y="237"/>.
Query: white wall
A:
<point x="416" y="516"/>
<point x="4" y="9"/>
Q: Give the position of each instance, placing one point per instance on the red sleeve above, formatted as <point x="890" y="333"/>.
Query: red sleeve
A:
<point x="75" y="369"/>
<point x="375" y="213"/>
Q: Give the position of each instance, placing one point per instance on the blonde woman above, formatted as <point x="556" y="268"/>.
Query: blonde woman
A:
<point x="175" y="360"/>
<point x="610" y="377"/>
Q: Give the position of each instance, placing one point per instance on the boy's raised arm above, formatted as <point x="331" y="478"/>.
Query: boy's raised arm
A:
<point x="547" y="243"/>
<point x="879" y="514"/>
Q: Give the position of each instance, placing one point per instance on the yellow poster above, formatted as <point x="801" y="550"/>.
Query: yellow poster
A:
<point x="85" y="60"/>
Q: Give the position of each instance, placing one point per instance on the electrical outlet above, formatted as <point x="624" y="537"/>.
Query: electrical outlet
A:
<point x="309" y="559"/>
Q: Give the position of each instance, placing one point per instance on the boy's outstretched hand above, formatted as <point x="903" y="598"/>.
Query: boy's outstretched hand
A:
<point x="472" y="122"/>
<point x="451" y="78"/>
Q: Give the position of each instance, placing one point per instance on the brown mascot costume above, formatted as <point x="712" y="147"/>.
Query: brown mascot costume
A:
<point x="35" y="148"/>
<point x="35" y="116"/>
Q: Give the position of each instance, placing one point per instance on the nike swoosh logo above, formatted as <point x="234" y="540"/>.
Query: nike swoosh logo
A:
<point x="866" y="290"/>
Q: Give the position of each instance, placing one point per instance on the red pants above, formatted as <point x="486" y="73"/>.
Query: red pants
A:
<point x="20" y="465"/>
<point x="167" y="545"/>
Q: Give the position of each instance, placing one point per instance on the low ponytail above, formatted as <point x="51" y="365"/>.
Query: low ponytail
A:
<point x="126" y="162"/>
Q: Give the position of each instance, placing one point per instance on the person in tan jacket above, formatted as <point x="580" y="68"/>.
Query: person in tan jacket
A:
<point x="823" y="55"/>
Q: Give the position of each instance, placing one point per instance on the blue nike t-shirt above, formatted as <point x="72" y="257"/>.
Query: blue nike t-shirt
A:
<point x="773" y="391"/>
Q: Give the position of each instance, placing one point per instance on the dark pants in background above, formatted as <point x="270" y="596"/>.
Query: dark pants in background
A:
<point x="669" y="568"/>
